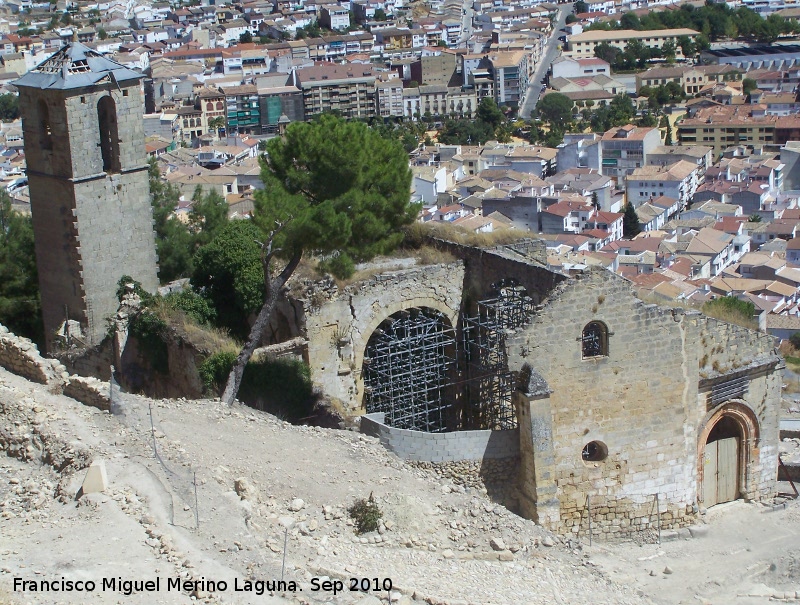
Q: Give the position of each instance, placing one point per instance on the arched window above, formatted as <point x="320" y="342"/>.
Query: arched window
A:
<point x="594" y="340"/>
<point x="109" y="137"/>
<point x="209" y="106"/>
<point x="219" y="105"/>
<point x="45" y="128"/>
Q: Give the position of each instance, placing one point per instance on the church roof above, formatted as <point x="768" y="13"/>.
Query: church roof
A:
<point x="76" y="66"/>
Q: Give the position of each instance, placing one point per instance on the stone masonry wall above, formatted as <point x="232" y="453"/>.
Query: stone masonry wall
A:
<point x="89" y="391"/>
<point x="635" y="401"/>
<point x="728" y="352"/>
<point x="523" y="261"/>
<point x="339" y="326"/>
<point x="642" y="401"/>
<point x="21" y="356"/>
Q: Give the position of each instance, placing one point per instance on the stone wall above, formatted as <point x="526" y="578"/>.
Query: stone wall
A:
<point x="483" y="460"/>
<point x="524" y="261"/>
<point x="21" y="356"/>
<point x="91" y="361"/>
<point x="642" y="401"/>
<point x="89" y="391"/>
<point x="339" y="325"/>
<point x="442" y="447"/>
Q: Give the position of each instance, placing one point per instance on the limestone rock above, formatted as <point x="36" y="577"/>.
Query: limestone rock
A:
<point x="244" y="489"/>
<point x="96" y="479"/>
<point x="296" y="505"/>
<point x="497" y="544"/>
<point x="548" y="541"/>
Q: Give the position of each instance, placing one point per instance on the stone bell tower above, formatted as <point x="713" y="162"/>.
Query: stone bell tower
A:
<point x="87" y="174"/>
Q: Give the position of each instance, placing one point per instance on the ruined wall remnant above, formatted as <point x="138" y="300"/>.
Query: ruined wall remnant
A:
<point x="21" y="356"/>
<point x="89" y="391"/>
<point x="628" y="408"/>
<point x="339" y="326"/>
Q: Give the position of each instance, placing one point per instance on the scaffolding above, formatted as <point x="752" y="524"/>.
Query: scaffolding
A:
<point x="489" y="384"/>
<point x="409" y="370"/>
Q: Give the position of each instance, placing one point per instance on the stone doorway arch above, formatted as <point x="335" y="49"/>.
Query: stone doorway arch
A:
<point x="727" y="445"/>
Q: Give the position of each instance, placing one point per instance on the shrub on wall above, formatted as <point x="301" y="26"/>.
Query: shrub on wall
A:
<point x="732" y="310"/>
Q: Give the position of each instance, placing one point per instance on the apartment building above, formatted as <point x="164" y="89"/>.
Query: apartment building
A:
<point x="346" y="89"/>
<point x="691" y="79"/>
<point x="582" y="45"/>
<point x="678" y="181"/>
<point x="242" y="110"/>
<point x="726" y="126"/>
<point x="626" y="148"/>
<point x="510" y="73"/>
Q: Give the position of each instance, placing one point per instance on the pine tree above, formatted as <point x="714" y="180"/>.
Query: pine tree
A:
<point x="630" y="222"/>
<point x="330" y="186"/>
<point x="668" y="138"/>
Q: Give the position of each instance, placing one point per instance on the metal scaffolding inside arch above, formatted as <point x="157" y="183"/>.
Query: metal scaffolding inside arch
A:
<point x="409" y="370"/>
<point x="489" y="384"/>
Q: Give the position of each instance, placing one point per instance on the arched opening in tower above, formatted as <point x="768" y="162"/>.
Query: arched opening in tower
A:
<point x="109" y="137"/>
<point x="409" y="369"/>
<point x="45" y="127"/>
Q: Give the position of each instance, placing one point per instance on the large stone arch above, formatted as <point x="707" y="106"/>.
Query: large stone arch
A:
<point x="361" y="338"/>
<point x="339" y="327"/>
<point x="746" y="420"/>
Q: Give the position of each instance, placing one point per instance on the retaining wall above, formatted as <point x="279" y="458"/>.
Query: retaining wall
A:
<point x="442" y="447"/>
<point x="21" y="356"/>
<point x="89" y="391"/>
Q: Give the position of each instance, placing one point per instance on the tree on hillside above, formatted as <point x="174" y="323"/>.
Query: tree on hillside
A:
<point x="228" y="273"/>
<point x="245" y="38"/>
<point x="489" y="113"/>
<point x="630" y="222"/>
<point x="208" y="216"/>
<point x="20" y="310"/>
<point x="581" y="7"/>
<point x="330" y="186"/>
<point x="556" y="109"/>
<point x="9" y="107"/>
<point x="173" y="240"/>
<point x="749" y="85"/>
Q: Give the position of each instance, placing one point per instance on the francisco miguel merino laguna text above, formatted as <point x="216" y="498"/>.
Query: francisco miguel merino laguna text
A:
<point x="129" y="587"/>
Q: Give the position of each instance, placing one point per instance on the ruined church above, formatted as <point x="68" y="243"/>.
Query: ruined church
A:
<point x="588" y="398"/>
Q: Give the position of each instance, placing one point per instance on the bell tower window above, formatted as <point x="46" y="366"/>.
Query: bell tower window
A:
<point x="109" y="137"/>
<point x="45" y="128"/>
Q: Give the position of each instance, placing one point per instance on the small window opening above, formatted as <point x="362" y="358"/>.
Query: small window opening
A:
<point x="594" y="340"/>
<point x="124" y="93"/>
<point x="109" y="137"/>
<point x="594" y="451"/>
<point x="45" y="128"/>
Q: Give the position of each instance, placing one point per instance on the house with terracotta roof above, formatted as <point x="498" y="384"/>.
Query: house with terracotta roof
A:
<point x="679" y="181"/>
<point x="716" y="245"/>
<point x="566" y="217"/>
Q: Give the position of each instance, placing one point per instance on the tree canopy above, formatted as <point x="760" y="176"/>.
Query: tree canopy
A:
<point x="20" y="310"/>
<point x="332" y="187"/>
<point x="630" y="222"/>
<point x="714" y="21"/>
<point x="555" y="108"/>
<point x="228" y="272"/>
<point x="336" y="187"/>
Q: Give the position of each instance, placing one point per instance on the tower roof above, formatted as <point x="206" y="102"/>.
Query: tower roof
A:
<point x="76" y="66"/>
